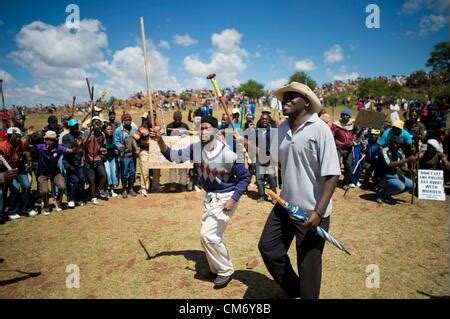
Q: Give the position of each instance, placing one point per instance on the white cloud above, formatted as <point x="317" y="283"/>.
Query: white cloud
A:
<point x="6" y="77"/>
<point x="287" y="61"/>
<point x="335" y="54"/>
<point x="164" y="44"/>
<point x="431" y="23"/>
<point x="305" y="65"/>
<point x="227" y="59"/>
<point x="60" y="60"/>
<point x="196" y="83"/>
<point x="413" y="6"/>
<point x="125" y="73"/>
<point x="228" y="41"/>
<point x="184" y="40"/>
<point x="342" y="75"/>
<point x="353" y="47"/>
<point x="276" y="84"/>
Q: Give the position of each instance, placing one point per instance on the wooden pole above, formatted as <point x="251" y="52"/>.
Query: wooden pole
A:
<point x="1" y="90"/>
<point x="144" y="46"/>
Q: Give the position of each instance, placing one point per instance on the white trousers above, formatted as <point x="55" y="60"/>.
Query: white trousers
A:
<point x="214" y="223"/>
<point x="173" y="172"/>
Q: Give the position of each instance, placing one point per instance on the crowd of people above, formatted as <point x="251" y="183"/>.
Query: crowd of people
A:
<point x="88" y="161"/>
<point x="303" y="155"/>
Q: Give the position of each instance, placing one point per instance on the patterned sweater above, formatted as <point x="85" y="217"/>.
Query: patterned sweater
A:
<point x="218" y="170"/>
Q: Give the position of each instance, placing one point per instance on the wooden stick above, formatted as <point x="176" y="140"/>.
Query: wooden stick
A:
<point x="276" y="197"/>
<point x="73" y="106"/>
<point x="144" y="46"/>
<point x="413" y="175"/>
<point x="220" y="97"/>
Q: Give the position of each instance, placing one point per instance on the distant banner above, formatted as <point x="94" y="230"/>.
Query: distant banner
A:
<point x="431" y="184"/>
<point x="370" y="119"/>
<point x="158" y="161"/>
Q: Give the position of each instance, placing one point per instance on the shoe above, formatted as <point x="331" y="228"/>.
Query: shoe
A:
<point x="79" y="203"/>
<point x="197" y="189"/>
<point x="221" y="281"/>
<point x="157" y="189"/>
<point x="71" y="204"/>
<point x="132" y="192"/>
<point x="189" y="187"/>
<point x="32" y="213"/>
<point x="346" y="187"/>
<point x="124" y="193"/>
<point x="45" y="212"/>
<point x="172" y="188"/>
<point x="58" y="206"/>
<point x="13" y="216"/>
<point x="379" y="201"/>
<point x="143" y="192"/>
<point x="261" y="199"/>
<point x="351" y="185"/>
<point x="94" y="201"/>
<point x="358" y="184"/>
<point x="104" y="195"/>
<point x="113" y="194"/>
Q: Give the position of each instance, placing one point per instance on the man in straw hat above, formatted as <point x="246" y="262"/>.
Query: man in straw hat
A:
<point x="310" y="170"/>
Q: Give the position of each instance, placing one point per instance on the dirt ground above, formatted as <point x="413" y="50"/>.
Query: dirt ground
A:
<point x="409" y="244"/>
<point x="149" y="248"/>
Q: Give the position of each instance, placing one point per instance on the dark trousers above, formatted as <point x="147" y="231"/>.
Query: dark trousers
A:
<point x="274" y="244"/>
<point x="76" y="179"/>
<point x="346" y="156"/>
<point x="261" y="180"/>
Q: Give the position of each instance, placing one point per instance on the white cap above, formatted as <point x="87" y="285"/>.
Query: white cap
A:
<point x="437" y="146"/>
<point x="13" y="130"/>
<point x="97" y="118"/>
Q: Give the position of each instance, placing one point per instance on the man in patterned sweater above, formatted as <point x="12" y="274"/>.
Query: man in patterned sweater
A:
<point x="224" y="179"/>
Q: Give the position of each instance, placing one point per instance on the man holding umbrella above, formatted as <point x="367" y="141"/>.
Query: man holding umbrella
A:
<point x="310" y="171"/>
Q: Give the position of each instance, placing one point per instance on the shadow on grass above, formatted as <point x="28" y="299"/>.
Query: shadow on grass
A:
<point x="17" y="279"/>
<point x="373" y="197"/>
<point x="431" y="296"/>
<point x="258" y="285"/>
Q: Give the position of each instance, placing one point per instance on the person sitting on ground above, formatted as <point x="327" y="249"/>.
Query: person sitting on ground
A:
<point x="392" y="182"/>
<point x="434" y="157"/>
<point x="417" y="130"/>
<point x="372" y="151"/>
<point x="399" y="133"/>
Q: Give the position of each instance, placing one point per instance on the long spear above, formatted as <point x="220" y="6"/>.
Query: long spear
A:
<point x="296" y="213"/>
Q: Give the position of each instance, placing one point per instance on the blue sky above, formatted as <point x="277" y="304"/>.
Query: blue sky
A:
<point x="267" y="41"/>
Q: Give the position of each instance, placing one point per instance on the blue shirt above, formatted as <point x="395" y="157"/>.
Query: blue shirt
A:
<point x="48" y="159"/>
<point x="404" y="137"/>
